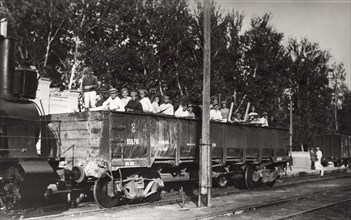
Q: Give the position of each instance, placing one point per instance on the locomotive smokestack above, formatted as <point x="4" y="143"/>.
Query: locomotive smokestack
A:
<point x="7" y="57"/>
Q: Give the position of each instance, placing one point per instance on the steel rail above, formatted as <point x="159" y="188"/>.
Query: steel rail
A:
<point x="173" y="198"/>
<point x="299" y="214"/>
<point x="269" y="204"/>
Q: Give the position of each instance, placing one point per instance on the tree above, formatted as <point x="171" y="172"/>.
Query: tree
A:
<point x="226" y="50"/>
<point x="38" y="25"/>
<point x="344" y="116"/>
<point x="312" y="95"/>
<point x="264" y="72"/>
<point x="336" y="82"/>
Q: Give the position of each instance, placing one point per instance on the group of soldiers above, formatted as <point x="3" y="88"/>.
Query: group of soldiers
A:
<point x="135" y="101"/>
<point x="224" y="115"/>
<point x="138" y="101"/>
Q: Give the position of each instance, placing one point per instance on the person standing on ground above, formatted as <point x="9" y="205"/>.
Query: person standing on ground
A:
<point x="313" y="158"/>
<point x="89" y="86"/>
<point x="318" y="163"/>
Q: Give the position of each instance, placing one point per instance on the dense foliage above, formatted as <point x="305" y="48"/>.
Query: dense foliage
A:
<point x="157" y="45"/>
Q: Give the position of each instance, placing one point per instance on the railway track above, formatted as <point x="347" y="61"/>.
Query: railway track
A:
<point x="61" y="210"/>
<point x="319" y="208"/>
<point x="294" y="207"/>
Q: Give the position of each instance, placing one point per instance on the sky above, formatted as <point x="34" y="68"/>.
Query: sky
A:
<point x="327" y="23"/>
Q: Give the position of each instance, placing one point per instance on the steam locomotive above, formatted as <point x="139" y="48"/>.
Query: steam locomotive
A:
<point x="117" y="155"/>
<point x="23" y="173"/>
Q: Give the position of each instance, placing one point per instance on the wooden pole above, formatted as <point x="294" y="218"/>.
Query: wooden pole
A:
<point x="205" y="146"/>
<point x="291" y="122"/>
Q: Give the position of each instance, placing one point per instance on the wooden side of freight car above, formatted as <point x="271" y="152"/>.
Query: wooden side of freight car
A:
<point x="141" y="140"/>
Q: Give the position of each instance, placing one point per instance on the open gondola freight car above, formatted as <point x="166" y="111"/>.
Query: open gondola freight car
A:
<point x="123" y="153"/>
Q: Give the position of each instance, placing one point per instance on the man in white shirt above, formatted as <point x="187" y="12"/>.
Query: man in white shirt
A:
<point x="113" y="103"/>
<point x="167" y="108"/>
<point x="318" y="163"/>
<point x="182" y="111"/>
<point x="215" y="113"/>
<point x="145" y="101"/>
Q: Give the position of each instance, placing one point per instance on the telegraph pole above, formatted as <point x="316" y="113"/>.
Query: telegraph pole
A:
<point x="291" y="122"/>
<point x="205" y="174"/>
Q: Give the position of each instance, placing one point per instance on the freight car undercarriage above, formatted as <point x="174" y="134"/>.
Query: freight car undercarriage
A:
<point x="254" y="174"/>
<point x="113" y="188"/>
<point x="124" y="184"/>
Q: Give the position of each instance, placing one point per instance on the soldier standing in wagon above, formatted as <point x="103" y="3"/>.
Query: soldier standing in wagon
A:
<point x="88" y="87"/>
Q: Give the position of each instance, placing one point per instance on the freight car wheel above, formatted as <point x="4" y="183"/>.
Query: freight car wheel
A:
<point x="102" y="191"/>
<point x="152" y="174"/>
<point x="251" y="177"/>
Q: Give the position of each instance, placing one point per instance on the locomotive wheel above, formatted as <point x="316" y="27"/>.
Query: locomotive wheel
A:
<point x="101" y="194"/>
<point x="221" y="181"/>
<point x="151" y="174"/>
<point x="250" y="177"/>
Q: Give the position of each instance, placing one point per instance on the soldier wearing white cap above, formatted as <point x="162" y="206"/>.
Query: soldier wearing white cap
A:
<point x="113" y="103"/>
<point x="264" y="120"/>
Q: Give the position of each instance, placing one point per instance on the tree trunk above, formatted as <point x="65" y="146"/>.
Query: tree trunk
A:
<point x="75" y="63"/>
<point x="178" y="83"/>
<point x="47" y="50"/>
<point x="159" y="77"/>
